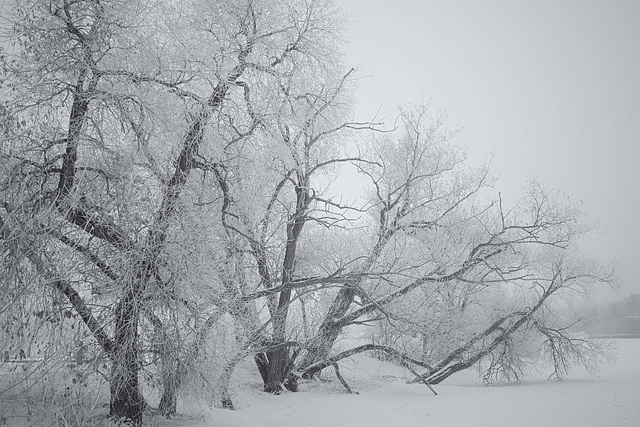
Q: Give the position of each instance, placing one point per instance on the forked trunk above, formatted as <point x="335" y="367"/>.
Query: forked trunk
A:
<point x="278" y="372"/>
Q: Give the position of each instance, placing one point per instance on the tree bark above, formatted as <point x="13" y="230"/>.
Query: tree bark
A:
<point x="126" y="399"/>
<point x="279" y="372"/>
<point x="173" y="375"/>
<point x="320" y="346"/>
<point x="263" y="366"/>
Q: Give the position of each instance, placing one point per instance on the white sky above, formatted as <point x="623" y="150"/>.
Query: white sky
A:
<point x="551" y="87"/>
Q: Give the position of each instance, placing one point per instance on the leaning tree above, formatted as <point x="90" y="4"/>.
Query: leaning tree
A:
<point x="426" y="247"/>
<point x="455" y="271"/>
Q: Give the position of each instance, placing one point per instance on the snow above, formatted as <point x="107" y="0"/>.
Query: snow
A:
<point x="612" y="398"/>
<point x="609" y="399"/>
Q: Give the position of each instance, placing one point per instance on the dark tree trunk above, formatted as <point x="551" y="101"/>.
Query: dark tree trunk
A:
<point x="277" y="362"/>
<point x="263" y="366"/>
<point x="279" y="373"/>
<point x="276" y="371"/>
<point x="278" y="358"/>
<point x="227" y="403"/>
<point x="126" y="400"/>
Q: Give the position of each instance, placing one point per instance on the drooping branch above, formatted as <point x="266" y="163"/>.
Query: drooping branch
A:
<point x="455" y="361"/>
<point x="341" y="378"/>
<point x="567" y="350"/>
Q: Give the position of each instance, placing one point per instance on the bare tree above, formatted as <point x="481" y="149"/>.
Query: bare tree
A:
<point x="111" y="134"/>
<point x="514" y="296"/>
<point x="438" y="253"/>
<point x="266" y="218"/>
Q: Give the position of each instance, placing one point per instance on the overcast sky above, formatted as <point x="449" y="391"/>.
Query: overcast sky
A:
<point x="551" y="87"/>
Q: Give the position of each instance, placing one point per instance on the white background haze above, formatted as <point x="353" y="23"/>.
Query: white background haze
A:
<point x="549" y="87"/>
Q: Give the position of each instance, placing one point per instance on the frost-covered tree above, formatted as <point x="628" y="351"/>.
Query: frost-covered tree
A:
<point x="167" y="178"/>
<point x="116" y="117"/>
<point x="452" y="280"/>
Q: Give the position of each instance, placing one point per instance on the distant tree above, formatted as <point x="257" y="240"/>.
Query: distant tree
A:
<point x="619" y="318"/>
<point x="628" y="305"/>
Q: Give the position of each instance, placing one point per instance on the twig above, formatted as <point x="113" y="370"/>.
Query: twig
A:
<point x="342" y="380"/>
<point x="420" y="377"/>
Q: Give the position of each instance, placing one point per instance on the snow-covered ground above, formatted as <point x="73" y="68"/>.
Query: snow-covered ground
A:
<point x="612" y="398"/>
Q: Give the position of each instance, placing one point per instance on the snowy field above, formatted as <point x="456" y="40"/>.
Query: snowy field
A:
<point x="609" y="399"/>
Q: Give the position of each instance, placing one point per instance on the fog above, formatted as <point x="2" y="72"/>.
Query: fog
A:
<point x="548" y="88"/>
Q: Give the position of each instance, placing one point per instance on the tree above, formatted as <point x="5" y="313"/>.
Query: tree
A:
<point x="111" y="135"/>
<point x="437" y="257"/>
<point x="507" y="310"/>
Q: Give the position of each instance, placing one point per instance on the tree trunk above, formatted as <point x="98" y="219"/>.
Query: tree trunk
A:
<point x="328" y="331"/>
<point x="173" y="374"/>
<point x="276" y="370"/>
<point x="279" y="373"/>
<point x="225" y="379"/>
<point x="327" y="334"/>
<point x="438" y="377"/>
<point x="126" y="400"/>
<point x="263" y="366"/>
